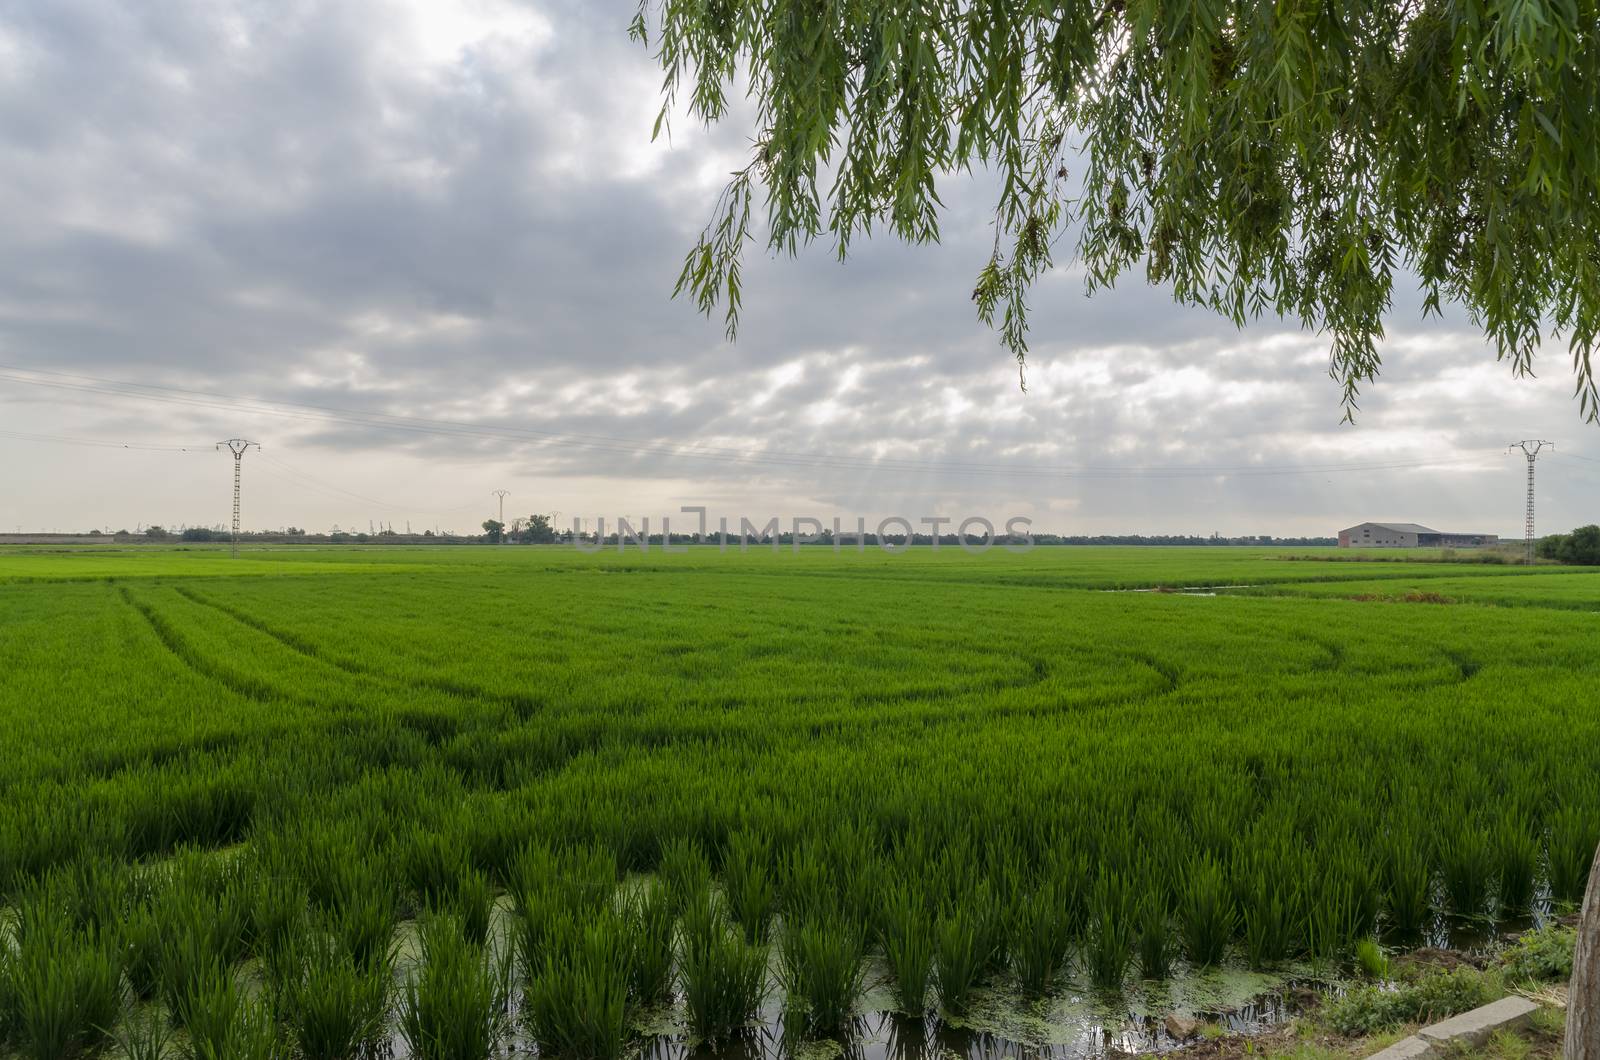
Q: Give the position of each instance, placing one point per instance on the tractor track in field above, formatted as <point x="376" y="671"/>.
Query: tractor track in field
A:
<point x="522" y="707"/>
<point x="1463" y="662"/>
<point x="1334" y="650"/>
<point x="180" y="649"/>
<point x="1170" y="675"/>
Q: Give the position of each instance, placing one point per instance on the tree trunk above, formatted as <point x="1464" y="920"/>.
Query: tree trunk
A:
<point x="1583" y="993"/>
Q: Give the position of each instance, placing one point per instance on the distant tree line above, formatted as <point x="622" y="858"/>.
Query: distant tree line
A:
<point x="1581" y="547"/>
<point x="826" y="538"/>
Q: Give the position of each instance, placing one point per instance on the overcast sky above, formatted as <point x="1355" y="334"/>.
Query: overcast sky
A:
<point x="452" y="210"/>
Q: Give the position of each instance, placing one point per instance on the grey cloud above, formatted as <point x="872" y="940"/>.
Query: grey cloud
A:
<point x="279" y="201"/>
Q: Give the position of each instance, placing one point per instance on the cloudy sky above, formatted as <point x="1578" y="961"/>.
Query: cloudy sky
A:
<point x="424" y="249"/>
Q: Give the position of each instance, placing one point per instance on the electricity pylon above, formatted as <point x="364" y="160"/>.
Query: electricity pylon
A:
<point x="1530" y="448"/>
<point x="238" y="447"/>
<point x="502" y="494"/>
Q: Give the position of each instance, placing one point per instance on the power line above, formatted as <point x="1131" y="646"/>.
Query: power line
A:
<point x="106" y="444"/>
<point x="308" y="479"/>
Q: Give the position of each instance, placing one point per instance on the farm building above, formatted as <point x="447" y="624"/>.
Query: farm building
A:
<point x="1409" y="535"/>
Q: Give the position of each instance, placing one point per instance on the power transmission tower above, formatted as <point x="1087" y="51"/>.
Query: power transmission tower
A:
<point x="502" y="494"/>
<point x="238" y="447"/>
<point x="1530" y="448"/>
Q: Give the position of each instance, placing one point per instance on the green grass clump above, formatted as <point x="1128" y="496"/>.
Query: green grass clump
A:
<point x="724" y="978"/>
<point x="1369" y="1009"/>
<point x="453" y="1006"/>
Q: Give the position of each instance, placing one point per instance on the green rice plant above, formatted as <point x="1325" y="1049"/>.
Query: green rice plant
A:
<point x="222" y="1021"/>
<point x="1351" y="859"/>
<point x="908" y="944"/>
<point x="1041" y="937"/>
<point x="549" y="888"/>
<point x="453" y="1005"/>
<point x="204" y="916"/>
<point x="588" y="876"/>
<point x="433" y="864"/>
<point x="1330" y="915"/>
<point x="149" y="1037"/>
<point x="747" y="876"/>
<point x="1407" y="878"/>
<point x="650" y="926"/>
<point x="334" y="1004"/>
<point x="64" y="983"/>
<point x="724" y="978"/>
<point x="1207" y="915"/>
<point x="1574" y="834"/>
<point x="821" y="971"/>
<point x="364" y="906"/>
<point x="472" y="902"/>
<point x="140" y="940"/>
<point x="1371" y="960"/>
<point x="686" y="871"/>
<point x="1516" y="857"/>
<point x="1268" y="876"/>
<point x="277" y="912"/>
<point x="575" y="1004"/>
<point x="808" y="889"/>
<point x="1466" y="862"/>
<point x="1155" y="939"/>
<point x="8" y="990"/>
<point x="98" y="891"/>
<point x="1109" y="935"/>
<point x="960" y="955"/>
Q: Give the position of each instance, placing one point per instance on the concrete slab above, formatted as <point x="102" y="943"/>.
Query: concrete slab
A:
<point x="1476" y="1026"/>
<point x="1412" y="1048"/>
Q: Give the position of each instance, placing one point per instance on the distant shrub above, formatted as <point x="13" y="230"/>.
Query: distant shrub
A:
<point x="1579" y="548"/>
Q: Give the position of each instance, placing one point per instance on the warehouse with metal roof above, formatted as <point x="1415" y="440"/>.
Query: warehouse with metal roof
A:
<point x="1409" y="535"/>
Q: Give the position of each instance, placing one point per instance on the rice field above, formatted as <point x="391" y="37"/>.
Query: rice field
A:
<point x="461" y="801"/>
